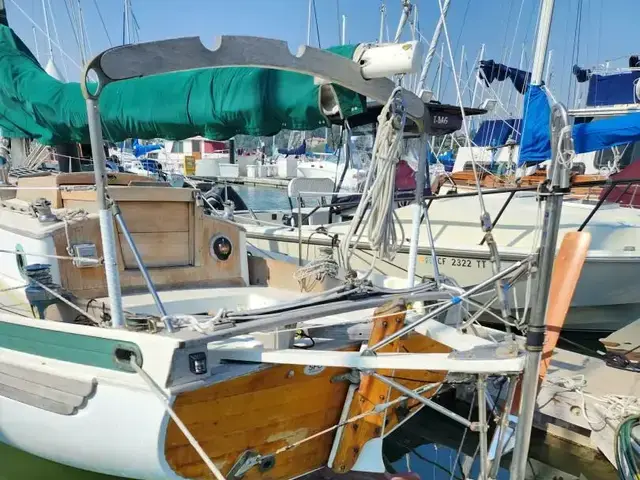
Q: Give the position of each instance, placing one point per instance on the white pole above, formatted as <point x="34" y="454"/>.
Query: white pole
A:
<point x="461" y="67"/>
<point x="548" y="75"/>
<point x="46" y="27"/>
<point x="417" y="212"/>
<point x="309" y="23"/>
<point x="432" y="47"/>
<point x="536" y="326"/>
<point x="344" y="29"/>
<point x="383" y="10"/>
<point x="475" y="85"/>
<point x="406" y="11"/>
<point x="440" y="68"/>
<point x="83" y="33"/>
<point x="35" y="41"/>
<point x="542" y="41"/>
<point x="511" y="91"/>
<point x="125" y="32"/>
<point x="55" y="32"/>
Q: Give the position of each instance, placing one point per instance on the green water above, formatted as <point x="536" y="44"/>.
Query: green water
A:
<point x="17" y="465"/>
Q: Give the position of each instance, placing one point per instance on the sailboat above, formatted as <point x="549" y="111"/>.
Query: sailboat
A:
<point x="145" y="336"/>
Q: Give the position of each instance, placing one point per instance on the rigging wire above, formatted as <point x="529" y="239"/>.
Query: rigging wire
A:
<point x="575" y="54"/>
<point x="465" y="125"/>
<point x="55" y="33"/>
<point x="55" y="44"/>
<point x="315" y="16"/>
<point x="73" y="23"/>
<point x="462" y="29"/>
<point x="104" y="26"/>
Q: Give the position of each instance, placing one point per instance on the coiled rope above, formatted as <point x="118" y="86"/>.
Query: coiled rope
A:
<point x="382" y="221"/>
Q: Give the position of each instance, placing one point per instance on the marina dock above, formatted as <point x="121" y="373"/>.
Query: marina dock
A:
<point x="582" y="400"/>
<point x="272" y="182"/>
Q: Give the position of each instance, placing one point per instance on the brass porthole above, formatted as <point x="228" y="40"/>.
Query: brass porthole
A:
<point x="220" y="248"/>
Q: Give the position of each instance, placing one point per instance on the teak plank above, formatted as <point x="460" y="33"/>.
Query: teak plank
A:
<point x="264" y="411"/>
<point x="373" y="392"/>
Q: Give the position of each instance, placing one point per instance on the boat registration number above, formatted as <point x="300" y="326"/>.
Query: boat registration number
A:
<point x="456" y="262"/>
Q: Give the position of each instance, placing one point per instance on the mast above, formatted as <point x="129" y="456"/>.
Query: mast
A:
<point x="344" y="29"/>
<point x="3" y="14"/>
<point x="406" y="11"/>
<point x="440" y="67"/>
<point x="475" y="85"/>
<point x="432" y="46"/>
<point x="462" y="52"/>
<point x="536" y="332"/>
<point x="46" y="28"/>
<point x="308" y="23"/>
<point x="126" y="35"/>
<point x="51" y="67"/>
<point x="35" y="42"/>
<point x="383" y="10"/>
<point x="548" y="75"/>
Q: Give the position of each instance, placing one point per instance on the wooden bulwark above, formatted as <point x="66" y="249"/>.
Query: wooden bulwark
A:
<point x="389" y="319"/>
<point x="48" y="186"/>
<point x="262" y="411"/>
<point x="171" y="232"/>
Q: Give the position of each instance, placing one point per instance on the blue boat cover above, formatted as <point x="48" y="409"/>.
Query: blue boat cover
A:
<point x="612" y="89"/>
<point x="535" y="145"/>
<point x="140" y="150"/>
<point x="301" y="150"/>
<point x="609" y="132"/>
<point x="495" y="133"/>
<point x="490" y="71"/>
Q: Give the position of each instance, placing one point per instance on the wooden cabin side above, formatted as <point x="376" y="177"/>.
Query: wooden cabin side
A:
<point x="171" y="231"/>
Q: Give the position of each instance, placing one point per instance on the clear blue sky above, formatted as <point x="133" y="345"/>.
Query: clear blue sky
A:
<point x="609" y="28"/>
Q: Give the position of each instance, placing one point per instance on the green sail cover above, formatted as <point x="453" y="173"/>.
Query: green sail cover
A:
<point x="216" y="103"/>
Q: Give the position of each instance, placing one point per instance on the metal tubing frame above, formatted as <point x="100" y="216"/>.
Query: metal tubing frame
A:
<point x="107" y="232"/>
<point x="299" y="230"/>
<point x="500" y="212"/>
<point x="597" y="207"/>
<point x="152" y="58"/>
<point x="417" y="212"/>
<point x="425" y="401"/>
<point x="454" y="301"/>
<point x="546" y="255"/>
<point x="117" y="213"/>
<point x="504" y="422"/>
<point x="310" y="313"/>
<point x="482" y="426"/>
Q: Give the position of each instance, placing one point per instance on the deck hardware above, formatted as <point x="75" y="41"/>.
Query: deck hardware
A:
<point x="42" y="209"/>
<point x="352" y="377"/>
<point x="85" y="255"/>
<point x="124" y="353"/>
<point x="220" y="247"/>
<point x="246" y="461"/>
<point x="198" y="363"/>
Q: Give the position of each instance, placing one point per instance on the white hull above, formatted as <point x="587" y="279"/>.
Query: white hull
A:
<point x="606" y="297"/>
<point x="596" y="305"/>
<point x="118" y="433"/>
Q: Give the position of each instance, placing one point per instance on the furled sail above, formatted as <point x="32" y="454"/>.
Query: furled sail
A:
<point x="217" y="103"/>
<point x="490" y="71"/>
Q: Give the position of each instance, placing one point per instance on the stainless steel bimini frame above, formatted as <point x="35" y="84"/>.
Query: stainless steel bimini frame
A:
<point x="131" y="61"/>
<point x="139" y="60"/>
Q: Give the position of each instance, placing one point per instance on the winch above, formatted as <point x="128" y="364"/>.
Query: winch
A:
<point x="39" y="274"/>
